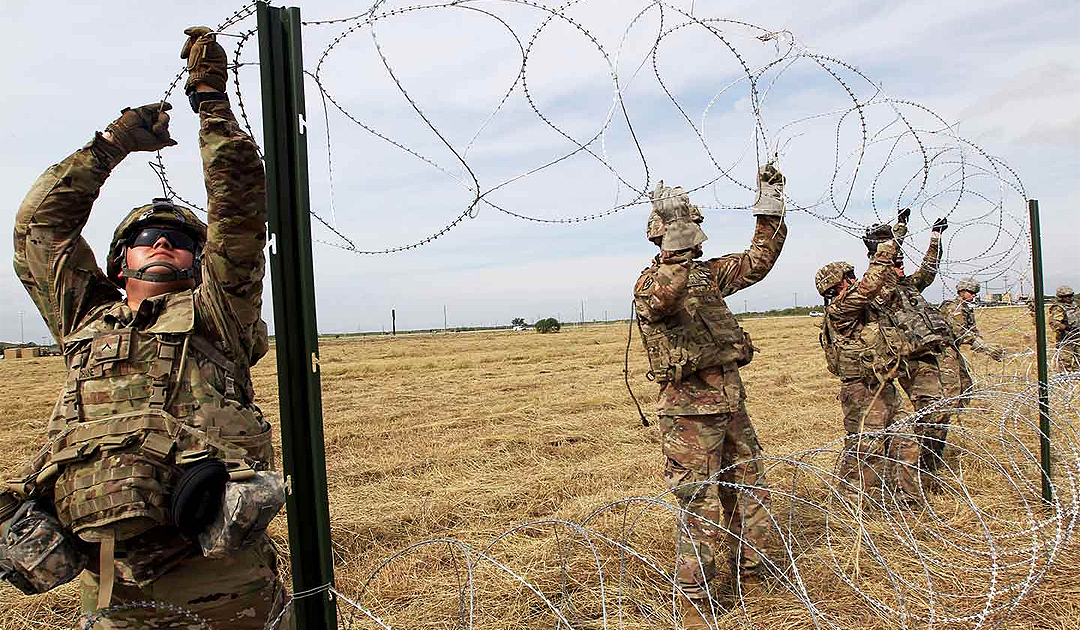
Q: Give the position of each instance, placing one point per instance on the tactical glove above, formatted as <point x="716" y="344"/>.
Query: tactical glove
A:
<point x="940" y="225"/>
<point x="770" y="200"/>
<point x="144" y="128"/>
<point x="899" y="231"/>
<point x="875" y="235"/>
<point x="903" y="216"/>
<point x="206" y="59"/>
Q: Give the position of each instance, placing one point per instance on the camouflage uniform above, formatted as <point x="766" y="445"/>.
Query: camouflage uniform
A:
<point x="1064" y="320"/>
<point x="170" y="379"/>
<point x="703" y="421"/>
<point x="868" y="395"/>
<point x="920" y="375"/>
<point x="956" y="377"/>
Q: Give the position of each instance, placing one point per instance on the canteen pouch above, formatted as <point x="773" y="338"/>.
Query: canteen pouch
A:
<point x="248" y="507"/>
<point x="36" y="554"/>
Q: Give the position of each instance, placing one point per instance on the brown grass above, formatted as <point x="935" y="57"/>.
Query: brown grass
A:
<point x="465" y="436"/>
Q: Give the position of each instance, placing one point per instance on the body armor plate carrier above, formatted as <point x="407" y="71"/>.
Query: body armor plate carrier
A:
<point x="138" y="406"/>
<point x="701" y="333"/>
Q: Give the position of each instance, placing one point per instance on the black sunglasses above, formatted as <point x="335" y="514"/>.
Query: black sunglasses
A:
<point x="148" y="236"/>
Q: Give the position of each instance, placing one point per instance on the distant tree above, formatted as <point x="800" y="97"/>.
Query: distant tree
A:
<point x="548" y="325"/>
<point x="517" y="321"/>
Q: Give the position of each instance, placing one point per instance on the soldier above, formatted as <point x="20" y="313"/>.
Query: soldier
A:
<point x="866" y="357"/>
<point x="156" y="426"/>
<point x="1064" y="320"/>
<point x="956" y="377"/>
<point x="695" y="348"/>
<point x="927" y="334"/>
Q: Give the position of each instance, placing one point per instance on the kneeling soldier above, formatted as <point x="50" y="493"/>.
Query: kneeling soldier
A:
<point x="157" y="472"/>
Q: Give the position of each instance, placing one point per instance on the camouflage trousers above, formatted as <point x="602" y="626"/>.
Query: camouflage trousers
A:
<point x="922" y="381"/>
<point x="697" y="449"/>
<point x="1068" y="354"/>
<point x="870" y="407"/>
<point x="239" y="592"/>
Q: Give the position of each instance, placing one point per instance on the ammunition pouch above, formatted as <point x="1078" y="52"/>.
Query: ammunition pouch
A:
<point x="249" y="504"/>
<point x="890" y="347"/>
<point x="36" y="554"/>
<point x="845" y="358"/>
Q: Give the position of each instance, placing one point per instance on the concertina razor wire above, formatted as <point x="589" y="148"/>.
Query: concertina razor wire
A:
<point x="918" y="567"/>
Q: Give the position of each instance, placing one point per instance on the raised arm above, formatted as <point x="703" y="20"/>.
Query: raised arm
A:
<point x="849" y="307"/>
<point x="924" y="277"/>
<point x="230" y="296"/>
<point x="53" y="261"/>
<point x="738" y="271"/>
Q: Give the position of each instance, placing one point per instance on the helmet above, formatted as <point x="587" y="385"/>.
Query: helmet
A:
<point x="654" y="230"/>
<point x="830" y="275"/>
<point x="1064" y="292"/>
<point x="680" y="219"/>
<point x="160" y="211"/>
<point x="967" y="284"/>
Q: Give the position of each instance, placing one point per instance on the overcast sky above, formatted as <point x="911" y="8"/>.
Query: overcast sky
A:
<point x="997" y="78"/>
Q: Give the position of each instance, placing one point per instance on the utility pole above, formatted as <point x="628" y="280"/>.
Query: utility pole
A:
<point x="744" y="307"/>
<point x="444" y="317"/>
<point x="583" y="313"/>
<point x="796" y="300"/>
<point x="393" y="322"/>
<point x="299" y="384"/>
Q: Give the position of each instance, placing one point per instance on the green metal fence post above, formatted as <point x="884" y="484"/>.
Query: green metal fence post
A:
<point x="1040" y="342"/>
<point x="297" y="336"/>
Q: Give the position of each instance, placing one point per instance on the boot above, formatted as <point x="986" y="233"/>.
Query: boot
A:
<point x="692" y="619"/>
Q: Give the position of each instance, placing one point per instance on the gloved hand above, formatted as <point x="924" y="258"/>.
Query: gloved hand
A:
<point x="903" y="216"/>
<point x="875" y="235"/>
<point x="940" y="225"/>
<point x="770" y="200"/>
<point x="899" y="231"/>
<point x="144" y="128"/>
<point x="206" y="59"/>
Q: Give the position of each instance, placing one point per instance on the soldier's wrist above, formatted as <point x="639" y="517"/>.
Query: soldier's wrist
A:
<point x="107" y="150"/>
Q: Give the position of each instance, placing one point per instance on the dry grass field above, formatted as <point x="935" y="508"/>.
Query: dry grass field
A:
<point x="466" y="436"/>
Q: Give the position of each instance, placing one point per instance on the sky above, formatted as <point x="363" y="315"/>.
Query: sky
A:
<point x="991" y="90"/>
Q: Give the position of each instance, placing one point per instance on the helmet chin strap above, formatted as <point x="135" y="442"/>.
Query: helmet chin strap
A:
<point x="176" y="273"/>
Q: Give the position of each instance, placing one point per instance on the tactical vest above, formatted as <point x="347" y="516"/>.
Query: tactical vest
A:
<point x="924" y="329"/>
<point x="1072" y="318"/>
<point x="965" y="312"/>
<point x="701" y="333"/>
<point x="844" y="357"/>
<point x="137" y="407"/>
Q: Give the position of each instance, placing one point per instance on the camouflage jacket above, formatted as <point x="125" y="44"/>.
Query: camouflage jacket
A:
<point x="1064" y="320"/>
<point x="112" y="352"/>
<point x="850" y="312"/>
<point x="888" y="299"/>
<point x="662" y="289"/>
<point x="961" y="318"/>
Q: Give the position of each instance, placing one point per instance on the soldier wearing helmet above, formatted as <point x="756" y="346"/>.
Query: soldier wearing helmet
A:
<point x="695" y="348"/>
<point x="902" y="306"/>
<point x="156" y="425"/>
<point x="864" y="355"/>
<point x="1064" y="320"/>
<point x="956" y="377"/>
